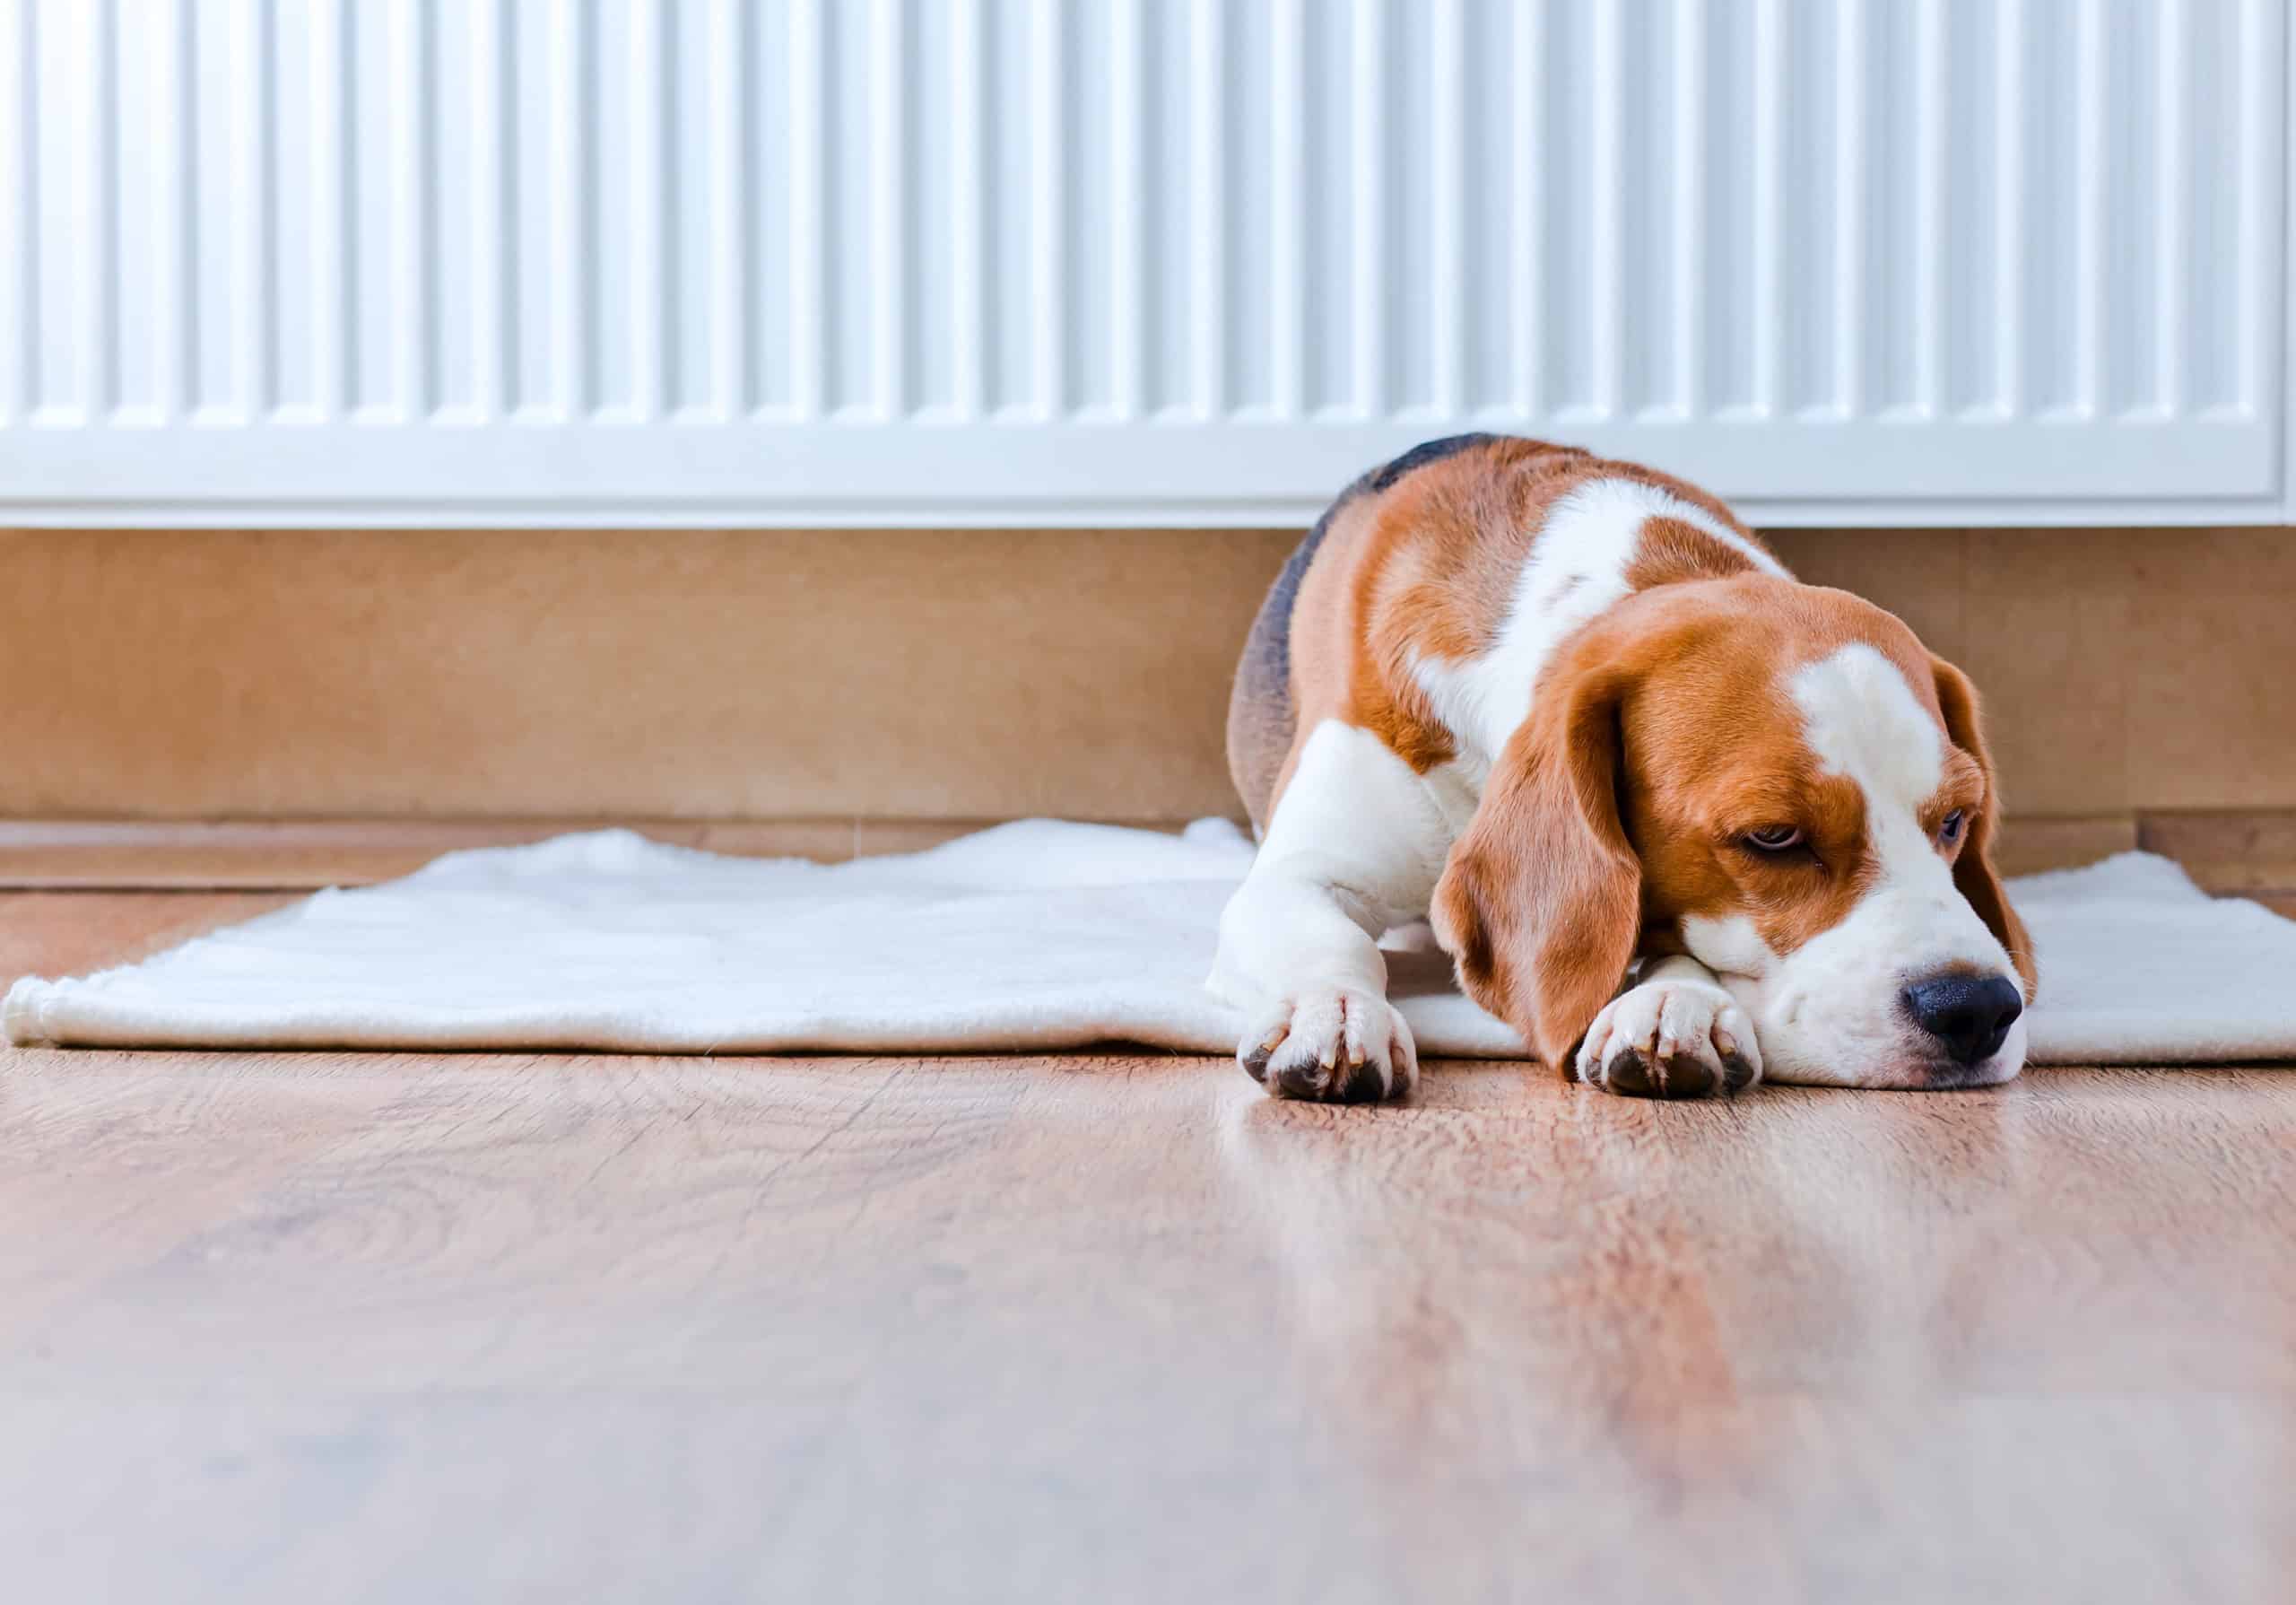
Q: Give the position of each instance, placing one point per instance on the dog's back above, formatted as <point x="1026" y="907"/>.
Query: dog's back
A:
<point x="1263" y="711"/>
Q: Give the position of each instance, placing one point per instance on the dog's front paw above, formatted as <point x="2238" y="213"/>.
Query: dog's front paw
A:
<point x="1672" y="1038"/>
<point x="1337" y="1046"/>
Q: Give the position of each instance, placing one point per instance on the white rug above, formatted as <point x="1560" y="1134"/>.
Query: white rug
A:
<point x="1036" y="935"/>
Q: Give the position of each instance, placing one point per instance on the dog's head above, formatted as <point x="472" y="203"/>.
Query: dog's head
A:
<point x="1780" y="781"/>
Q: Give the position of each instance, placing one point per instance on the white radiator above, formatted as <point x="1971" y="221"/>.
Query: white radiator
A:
<point x="1132" y="261"/>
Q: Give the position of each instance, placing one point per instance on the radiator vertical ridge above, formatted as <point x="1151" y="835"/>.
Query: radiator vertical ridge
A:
<point x="1159" y="261"/>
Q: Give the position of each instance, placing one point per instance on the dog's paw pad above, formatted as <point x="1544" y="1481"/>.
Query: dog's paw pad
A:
<point x="1674" y="1038"/>
<point x="1334" y="1047"/>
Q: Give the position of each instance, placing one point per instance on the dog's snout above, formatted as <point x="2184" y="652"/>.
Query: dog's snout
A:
<point x="1968" y="1014"/>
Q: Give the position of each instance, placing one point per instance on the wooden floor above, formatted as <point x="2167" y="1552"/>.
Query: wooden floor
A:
<point x="324" y="1327"/>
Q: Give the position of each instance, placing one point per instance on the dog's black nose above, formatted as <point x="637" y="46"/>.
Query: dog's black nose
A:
<point x="1971" y="1015"/>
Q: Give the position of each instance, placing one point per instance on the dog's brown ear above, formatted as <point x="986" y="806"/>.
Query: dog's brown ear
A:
<point x="1974" y="874"/>
<point x="1540" y="903"/>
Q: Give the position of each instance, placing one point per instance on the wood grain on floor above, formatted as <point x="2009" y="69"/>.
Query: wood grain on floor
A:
<point x="298" y="1327"/>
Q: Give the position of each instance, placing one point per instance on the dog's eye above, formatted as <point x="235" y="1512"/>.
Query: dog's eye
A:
<point x="1774" y="838"/>
<point x="1950" y="829"/>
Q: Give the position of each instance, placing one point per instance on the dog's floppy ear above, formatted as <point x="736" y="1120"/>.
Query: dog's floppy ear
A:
<point x="1974" y="874"/>
<point x="1540" y="903"/>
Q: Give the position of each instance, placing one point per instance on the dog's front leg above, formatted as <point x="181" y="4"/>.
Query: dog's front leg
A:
<point x="1298" y="958"/>
<point x="1352" y="850"/>
<point x="1675" y="1033"/>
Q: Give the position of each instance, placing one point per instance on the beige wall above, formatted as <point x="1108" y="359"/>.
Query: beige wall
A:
<point x="966" y="675"/>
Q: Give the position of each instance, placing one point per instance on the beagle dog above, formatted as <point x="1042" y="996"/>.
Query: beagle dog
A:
<point x="1678" y="819"/>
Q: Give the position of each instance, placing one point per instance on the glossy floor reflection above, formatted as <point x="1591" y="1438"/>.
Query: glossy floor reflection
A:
<point x="400" y="1326"/>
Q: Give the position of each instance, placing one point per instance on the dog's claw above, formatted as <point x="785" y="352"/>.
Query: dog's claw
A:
<point x="1674" y="1037"/>
<point x="1340" y="1047"/>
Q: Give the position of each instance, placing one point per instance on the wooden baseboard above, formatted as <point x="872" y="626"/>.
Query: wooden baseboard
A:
<point x="297" y="854"/>
<point x="2252" y="853"/>
<point x="2030" y="845"/>
<point x="304" y="854"/>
